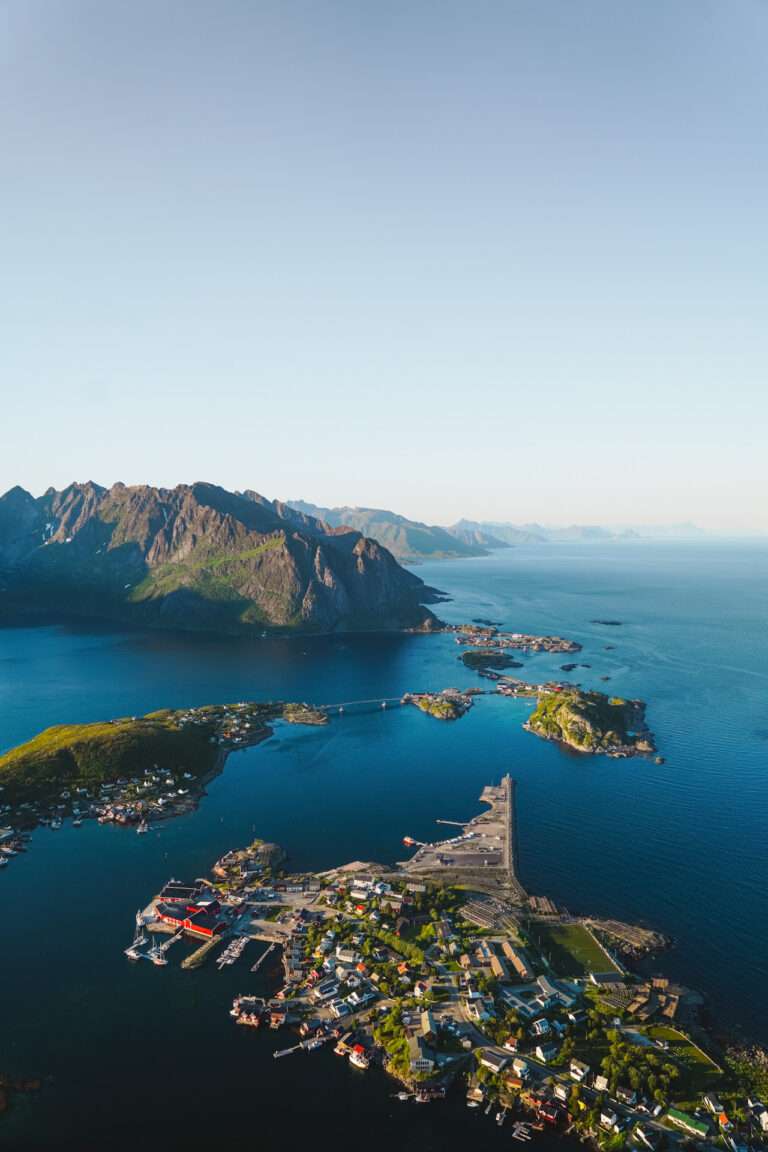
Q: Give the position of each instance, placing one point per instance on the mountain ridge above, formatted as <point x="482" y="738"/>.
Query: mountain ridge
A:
<point x="407" y="540"/>
<point x="197" y="556"/>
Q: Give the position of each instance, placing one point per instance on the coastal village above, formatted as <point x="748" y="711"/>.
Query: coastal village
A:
<point x="155" y="790"/>
<point x="440" y="971"/>
<point x="445" y="974"/>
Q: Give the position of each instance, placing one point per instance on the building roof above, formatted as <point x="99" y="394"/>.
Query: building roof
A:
<point x="499" y="968"/>
<point x="417" y="1048"/>
<point x="174" y="890"/>
<point x="686" y="1121"/>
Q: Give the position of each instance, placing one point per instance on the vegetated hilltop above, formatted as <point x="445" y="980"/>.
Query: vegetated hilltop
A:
<point x="197" y="556"/>
<point x="592" y="722"/>
<point x="107" y="751"/>
<point x="405" y="539"/>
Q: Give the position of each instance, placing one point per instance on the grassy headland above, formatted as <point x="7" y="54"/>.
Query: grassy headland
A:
<point x="77" y="755"/>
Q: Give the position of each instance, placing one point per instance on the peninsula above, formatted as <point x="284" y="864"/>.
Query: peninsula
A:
<point x="135" y="759"/>
<point x="444" y="972"/>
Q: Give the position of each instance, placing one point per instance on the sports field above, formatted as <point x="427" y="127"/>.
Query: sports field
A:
<point x="571" y="950"/>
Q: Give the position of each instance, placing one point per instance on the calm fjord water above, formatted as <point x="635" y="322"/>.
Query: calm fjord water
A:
<point x="151" y="1055"/>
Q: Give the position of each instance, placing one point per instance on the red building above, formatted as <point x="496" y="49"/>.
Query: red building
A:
<point x="204" y="921"/>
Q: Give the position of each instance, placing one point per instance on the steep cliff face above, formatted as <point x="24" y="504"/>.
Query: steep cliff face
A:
<point x="197" y="556"/>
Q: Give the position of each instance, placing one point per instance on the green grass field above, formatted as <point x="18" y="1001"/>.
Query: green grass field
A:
<point x="571" y="949"/>
<point x="699" y="1071"/>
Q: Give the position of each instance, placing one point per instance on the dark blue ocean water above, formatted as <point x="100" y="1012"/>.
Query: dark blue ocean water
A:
<point x="150" y="1055"/>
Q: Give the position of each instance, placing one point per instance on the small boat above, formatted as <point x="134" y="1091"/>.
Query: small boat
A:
<point x="76" y="822"/>
<point x="55" y="824"/>
<point x="359" y="1057"/>
<point x="159" y="959"/>
<point x="315" y="1043"/>
<point x="142" y="827"/>
<point x="403" y="1096"/>
<point x="3" y="862"/>
<point x="472" y="1103"/>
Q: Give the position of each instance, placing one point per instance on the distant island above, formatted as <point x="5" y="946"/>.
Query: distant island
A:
<point x="198" y="557"/>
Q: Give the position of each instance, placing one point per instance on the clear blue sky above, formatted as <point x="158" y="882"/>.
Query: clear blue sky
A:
<point x="494" y="259"/>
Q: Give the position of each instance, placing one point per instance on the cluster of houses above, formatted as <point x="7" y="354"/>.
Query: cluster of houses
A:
<point x="713" y="1119"/>
<point x="657" y="997"/>
<point x="340" y="969"/>
<point x="334" y="974"/>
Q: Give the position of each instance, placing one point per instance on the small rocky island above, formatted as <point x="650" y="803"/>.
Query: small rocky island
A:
<point x="490" y="638"/>
<point x="592" y="722"/>
<point x="447" y="705"/>
<point x="479" y="659"/>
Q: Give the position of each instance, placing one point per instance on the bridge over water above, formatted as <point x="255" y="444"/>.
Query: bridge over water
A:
<point x="363" y="705"/>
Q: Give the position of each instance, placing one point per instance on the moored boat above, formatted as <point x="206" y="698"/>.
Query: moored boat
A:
<point x="359" y="1057"/>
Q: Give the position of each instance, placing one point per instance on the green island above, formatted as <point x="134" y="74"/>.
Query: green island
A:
<point x="592" y="722"/>
<point x="478" y="659"/>
<point x="89" y="757"/>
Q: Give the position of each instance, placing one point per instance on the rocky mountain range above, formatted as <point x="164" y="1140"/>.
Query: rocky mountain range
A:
<point x="198" y="556"/>
<point x="406" y="539"/>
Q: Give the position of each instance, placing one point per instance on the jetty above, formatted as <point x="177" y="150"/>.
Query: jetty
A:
<point x="307" y="1045"/>
<point x="255" y="967"/>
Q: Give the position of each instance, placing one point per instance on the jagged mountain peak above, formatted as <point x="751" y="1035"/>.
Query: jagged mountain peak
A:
<point x="198" y="556"/>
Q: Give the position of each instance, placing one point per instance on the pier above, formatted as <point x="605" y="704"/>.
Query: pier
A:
<point x="510" y="837"/>
<point x="307" y="1045"/>
<point x="255" y="967"/>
